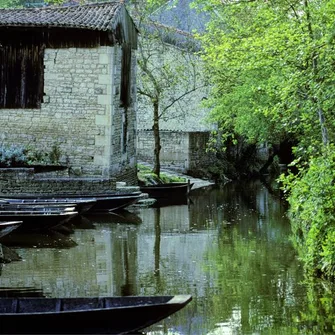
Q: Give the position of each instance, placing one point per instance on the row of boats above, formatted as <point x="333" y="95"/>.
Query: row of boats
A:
<point x="82" y="315"/>
<point x="41" y="212"/>
<point x="35" y="212"/>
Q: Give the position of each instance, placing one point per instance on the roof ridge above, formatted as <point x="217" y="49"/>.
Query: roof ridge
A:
<point x="37" y="9"/>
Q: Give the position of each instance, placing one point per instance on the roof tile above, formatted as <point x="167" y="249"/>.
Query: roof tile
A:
<point x="98" y="16"/>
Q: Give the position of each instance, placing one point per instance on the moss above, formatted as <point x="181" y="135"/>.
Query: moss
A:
<point x="145" y="176"/>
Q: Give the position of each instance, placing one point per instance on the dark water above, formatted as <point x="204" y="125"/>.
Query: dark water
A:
<point x="228" y="247"/>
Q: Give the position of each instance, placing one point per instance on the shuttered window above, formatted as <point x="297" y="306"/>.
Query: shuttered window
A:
<point x="21" y="75"/>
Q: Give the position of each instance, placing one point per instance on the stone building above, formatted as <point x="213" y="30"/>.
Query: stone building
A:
<point x="67" y="81"/>
<point x="184" y="132"/>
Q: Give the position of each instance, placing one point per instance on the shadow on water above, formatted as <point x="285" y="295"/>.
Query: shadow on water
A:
<point x="122" y="216"/>
<point x="50" y="239"/>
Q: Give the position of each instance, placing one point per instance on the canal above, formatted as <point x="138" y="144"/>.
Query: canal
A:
<point x="229" y="247"/>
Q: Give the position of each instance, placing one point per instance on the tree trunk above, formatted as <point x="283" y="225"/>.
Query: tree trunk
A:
<point x="157" y="140"/>
<point x="324" y="132"/>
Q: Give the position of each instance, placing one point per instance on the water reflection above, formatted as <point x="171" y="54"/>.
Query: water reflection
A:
<point x="51" y="239"/>
<point x="229" y="247"/>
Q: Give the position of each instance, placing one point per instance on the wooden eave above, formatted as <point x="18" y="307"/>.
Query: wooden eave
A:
<point x="110" y="23"/>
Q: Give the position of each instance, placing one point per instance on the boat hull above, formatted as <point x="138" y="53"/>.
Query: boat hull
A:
<point x="37" y="221"/>
<point x="82" y="205"/>
<point x="102" y="202"/>
<point x="115" y="315"/>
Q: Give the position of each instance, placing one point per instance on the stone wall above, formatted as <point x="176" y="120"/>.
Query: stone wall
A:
<point x="80" y="114"/>
<point x="23" y="180"/>
<point x="198" y="155"/>
<point x="182" y="151"/>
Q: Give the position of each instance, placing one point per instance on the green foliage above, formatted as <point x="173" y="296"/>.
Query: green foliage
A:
<point x="18" y="156"/>
<point x="272" y="69"/>
<point x="12" y="156"/>
<point x="55" y="154"/>
<point x="11" y="3"/>
<point x="236" y="158"/>
<point x="311" y="195"/>
<point x="272" y="65"/>
<point x="147" y="177"/>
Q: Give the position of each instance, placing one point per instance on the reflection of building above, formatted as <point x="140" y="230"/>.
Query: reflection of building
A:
<point x="116" y="259"/>
<point x="181" y="253"/>
<point x="103" y="263"/>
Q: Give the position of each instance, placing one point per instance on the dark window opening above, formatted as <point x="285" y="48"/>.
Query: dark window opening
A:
<point x="21" y="75"/>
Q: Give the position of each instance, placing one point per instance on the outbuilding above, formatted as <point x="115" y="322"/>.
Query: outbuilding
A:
<point x="67" y="83"/>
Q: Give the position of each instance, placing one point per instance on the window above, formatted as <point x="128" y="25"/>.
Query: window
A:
<point x="21" y="75"/>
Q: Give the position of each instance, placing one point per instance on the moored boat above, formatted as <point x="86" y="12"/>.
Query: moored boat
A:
<point x="103" y="202"/>
<point x="37" y="220"/>
<point x="82" y="205"/>
<point x="107" y="315"/>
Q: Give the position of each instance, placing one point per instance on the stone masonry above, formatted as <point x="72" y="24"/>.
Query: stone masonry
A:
<point x="80" y="114"/>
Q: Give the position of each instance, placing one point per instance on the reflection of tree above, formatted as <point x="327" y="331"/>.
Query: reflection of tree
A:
<point x="157" y="241"/>
<point x="125" y="269"/>
<point x="157" y="248"/>
<point x="319" y="318"/>
<point x="253" y="263"/>
<point x="251" y="273"/>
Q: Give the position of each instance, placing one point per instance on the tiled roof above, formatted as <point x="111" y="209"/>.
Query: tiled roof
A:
<point x="98" y="16"/>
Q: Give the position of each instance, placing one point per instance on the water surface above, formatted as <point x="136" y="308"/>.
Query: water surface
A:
<point x="228" y="247"/>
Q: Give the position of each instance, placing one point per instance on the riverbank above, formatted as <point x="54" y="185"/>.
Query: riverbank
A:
<point x="197" y="182"/>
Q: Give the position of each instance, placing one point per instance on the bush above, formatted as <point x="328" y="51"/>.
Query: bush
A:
<point x="17" y="156"/>
<point x="312" y="213"/>
<point x="12" y="156"/>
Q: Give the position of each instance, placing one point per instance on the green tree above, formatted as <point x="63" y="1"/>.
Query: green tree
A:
<point x="271" y="64"/>
<point x="169" y="70"/>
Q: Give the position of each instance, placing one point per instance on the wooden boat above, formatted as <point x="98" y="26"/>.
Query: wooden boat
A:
<point x="37" y="207"/>
<point x="6" y="227"/>
<point x="108" y="315"/>
<point x="104" y="202"/>
<point x="82" y="205"/>
<point x="37" y="220"/>
<point x="167" y="190"/>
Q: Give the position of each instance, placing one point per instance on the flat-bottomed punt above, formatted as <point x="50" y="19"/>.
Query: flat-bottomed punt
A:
<point x="103" y="202"/>
<point x="37" y="220"/>
<point x="108" y="315"/>
<point x="82" y="205"/>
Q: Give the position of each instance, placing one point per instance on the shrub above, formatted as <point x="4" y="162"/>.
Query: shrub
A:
<point x="12" y="156"/>
<point x="312" y="213"/>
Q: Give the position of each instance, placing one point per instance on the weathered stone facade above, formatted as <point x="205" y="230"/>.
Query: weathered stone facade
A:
<point x="182" y="151"/>
<point x="85" y="105"/>
<point x="80" y="113"/>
